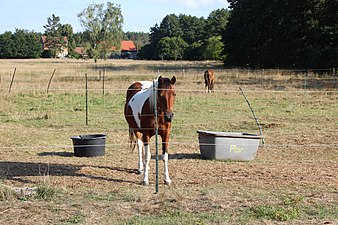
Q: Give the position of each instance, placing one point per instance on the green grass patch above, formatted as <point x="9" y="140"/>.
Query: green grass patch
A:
<point x="76" y="219"/>
<point x="177" y="217"/>
<point x="6" y="193"/>
<point x="47" y="192"/>
<point x="278" y="213"/>
<point x="321" y="212"/>
<point x="124" y="196"/>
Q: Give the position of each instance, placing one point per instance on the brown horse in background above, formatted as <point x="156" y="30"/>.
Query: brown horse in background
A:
<point x="139" y="112"/>
<point x="209" y="80"/>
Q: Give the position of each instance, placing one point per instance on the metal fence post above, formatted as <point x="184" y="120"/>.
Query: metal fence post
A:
<point x="156" y="133"/>
<point x="86" y="78"/>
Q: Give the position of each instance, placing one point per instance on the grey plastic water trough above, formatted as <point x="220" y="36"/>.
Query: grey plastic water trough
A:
<point x="228" y="145"/>
<point x="89" y="145"/>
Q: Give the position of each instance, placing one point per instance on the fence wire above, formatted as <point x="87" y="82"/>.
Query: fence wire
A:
<point x="304" y="80"/>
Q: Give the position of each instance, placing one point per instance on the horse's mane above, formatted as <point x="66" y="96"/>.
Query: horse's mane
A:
<point x="152" y="97"/>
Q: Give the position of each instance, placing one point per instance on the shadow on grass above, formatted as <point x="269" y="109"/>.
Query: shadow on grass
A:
<point x="179" y="156"/>
<point x="17" y="171"/>
<point x="63" y="154"/>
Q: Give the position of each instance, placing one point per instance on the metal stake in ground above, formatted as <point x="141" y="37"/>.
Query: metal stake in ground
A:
<point x="156" y="133"/>
<point x="86" y="78"/>
<point x="254" y="115"/>
<point x="103" y="77"/>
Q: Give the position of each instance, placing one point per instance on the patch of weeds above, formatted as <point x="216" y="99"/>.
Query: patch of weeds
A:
<point x="293" y="201"/>
<point x="95" y="196"/>
<point x="128" y="197"/>
<point x="76" y="219"/>
<point x="288" y="209"/>
<point x="112" y="196"/>
<point x="181" y="217"/>
<point x="6" y="193"/>
<point x="46" y="192"/>
<point x="278" y="213"/>
<point x="321" y="212"/>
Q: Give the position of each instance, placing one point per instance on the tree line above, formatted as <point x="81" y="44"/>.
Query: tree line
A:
<point x="102" y="32"/>
<point x="187" y="37"/>
<point x="251" y="33"/>
<point x="282" y="34"/>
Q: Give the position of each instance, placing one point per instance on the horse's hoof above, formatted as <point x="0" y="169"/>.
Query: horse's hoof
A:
<point x="139" y="171"/>
<point x="145" y="183"/>
<point x="167" y="182"/>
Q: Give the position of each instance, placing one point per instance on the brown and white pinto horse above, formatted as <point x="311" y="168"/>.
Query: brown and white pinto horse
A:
<point x="209" y="80"/>
<point x="139" y="113"/>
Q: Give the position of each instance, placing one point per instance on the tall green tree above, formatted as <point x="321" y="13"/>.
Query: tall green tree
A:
<point x="171" y="48"/>
<point x="326" y="35"/>
<point x="170" y="27"/>
<point x="216" y="22"/>
<point x="6" y="45"/>
<point x="149" y="51"/>
<point x="20" y="45"/>
<point x="213" y="48"/>
<point x="66" y="30"/>
<point x="26" y="45"/>
<point x="104" y="26"/>
<point x="282" y="33"/>
<point x="198" y="35"/>
<point x="54" y="40"/>
<point x="192" y="28"/>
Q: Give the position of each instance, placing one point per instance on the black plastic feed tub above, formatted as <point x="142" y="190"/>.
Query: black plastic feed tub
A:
<point x="89" y="145"/>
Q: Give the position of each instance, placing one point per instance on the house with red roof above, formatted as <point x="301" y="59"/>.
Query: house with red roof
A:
<point x="128" y="50"/>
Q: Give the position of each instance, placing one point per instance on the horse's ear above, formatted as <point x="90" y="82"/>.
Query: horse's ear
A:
<point x="173" y="80"/>
<point x="159" y="79"/>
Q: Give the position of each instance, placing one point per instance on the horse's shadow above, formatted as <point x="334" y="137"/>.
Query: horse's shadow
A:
<point x="171" y="156"/>
<point x="18" y="170"/>
<point x="180" y="156"/>
<point x="185" y="156"/>
<point x="63" y="154"/>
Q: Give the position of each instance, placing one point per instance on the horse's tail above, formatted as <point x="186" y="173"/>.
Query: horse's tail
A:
<point x="132" y="140"/>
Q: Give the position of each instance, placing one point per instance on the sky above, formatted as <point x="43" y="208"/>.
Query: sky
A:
<point x="139" y="15"/>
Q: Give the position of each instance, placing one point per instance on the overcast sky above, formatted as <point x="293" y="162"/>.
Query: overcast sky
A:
<point x="139" y="15"/>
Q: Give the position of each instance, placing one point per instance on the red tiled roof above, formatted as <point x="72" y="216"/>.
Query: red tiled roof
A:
<point x="127" y="46"/>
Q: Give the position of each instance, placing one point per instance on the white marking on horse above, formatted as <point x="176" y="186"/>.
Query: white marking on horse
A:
<point x="165" y="158"/>
<point x="137" y="101"/>
<point x="140" y="154"/>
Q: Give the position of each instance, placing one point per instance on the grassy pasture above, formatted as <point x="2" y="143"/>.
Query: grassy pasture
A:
<point x="293" y="179"/>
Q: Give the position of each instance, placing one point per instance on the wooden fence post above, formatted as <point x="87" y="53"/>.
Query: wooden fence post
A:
<point x="12" y="79"/>
<point x="50" y="80"/>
